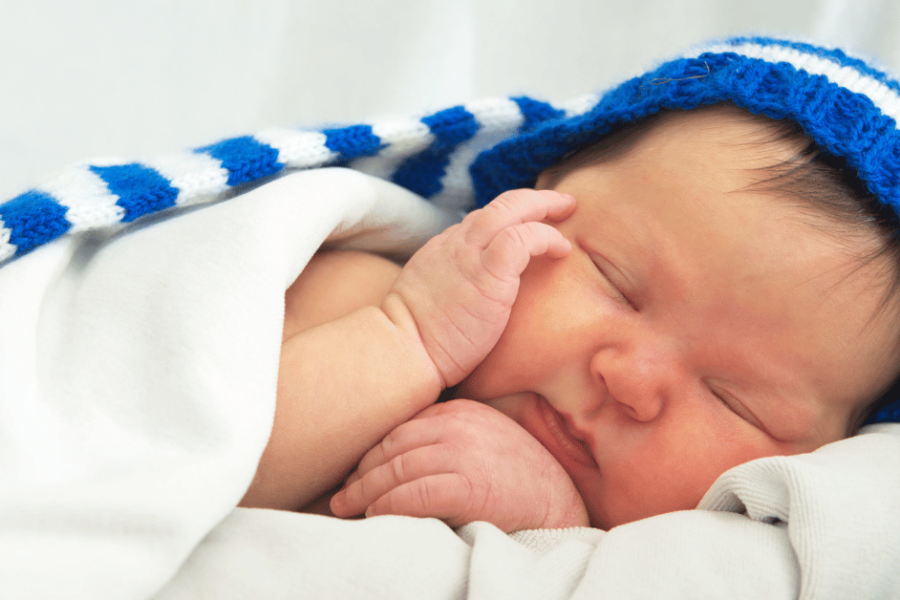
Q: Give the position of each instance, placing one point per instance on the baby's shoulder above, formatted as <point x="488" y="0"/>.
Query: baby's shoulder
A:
<point x="335" y="283"/>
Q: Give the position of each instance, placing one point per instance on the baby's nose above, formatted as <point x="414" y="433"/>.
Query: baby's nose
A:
<point x="635" y="383"/>
<point x="642" y="407"/>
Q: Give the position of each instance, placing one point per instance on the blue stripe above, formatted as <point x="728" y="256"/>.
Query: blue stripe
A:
<point x="422" y="173"/>
<point x="141" y="190"/>
<point x="452" y="126"/>
<point x="245" y="159"/>
<point x="535" y="112"/>
<point x="352" y="142"/>
<point x="33" y="218"/>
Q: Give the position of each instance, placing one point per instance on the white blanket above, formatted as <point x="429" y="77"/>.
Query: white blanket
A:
<point x="137" y="386"/>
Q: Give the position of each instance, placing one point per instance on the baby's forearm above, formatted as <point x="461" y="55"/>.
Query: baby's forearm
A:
<point x="346" y="383"/>
<point x="342" y="386"/>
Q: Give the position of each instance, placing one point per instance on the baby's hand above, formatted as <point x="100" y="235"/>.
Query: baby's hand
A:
<point x="463" y="461"/>
<point x="455" y="294"/>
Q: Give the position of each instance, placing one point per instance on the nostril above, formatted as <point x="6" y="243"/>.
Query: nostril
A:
<point x="631" y="412"/>
<point x="643" y="408"/>
<point x="598" y="398"/>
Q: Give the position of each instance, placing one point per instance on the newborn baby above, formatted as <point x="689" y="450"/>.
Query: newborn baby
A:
<point x="663" y="307"/>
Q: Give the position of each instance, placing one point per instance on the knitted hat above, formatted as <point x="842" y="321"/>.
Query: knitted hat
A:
<point x="848" y="108"/>
<point x="467" y="155"/>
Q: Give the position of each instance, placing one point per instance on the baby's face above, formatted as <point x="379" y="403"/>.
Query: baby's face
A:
<point x="693" y="327"/>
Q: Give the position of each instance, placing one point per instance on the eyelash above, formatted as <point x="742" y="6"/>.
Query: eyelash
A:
<point x="724" y="399"/>
<point x="622" y="298"/>
<point x="721" y="398"/>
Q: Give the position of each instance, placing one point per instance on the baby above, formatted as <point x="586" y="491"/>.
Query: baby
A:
<point x="688" y="294"/>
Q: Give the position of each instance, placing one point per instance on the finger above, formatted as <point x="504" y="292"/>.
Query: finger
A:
<point x="338" y="502"/>
<point x="369" y="487"/>
<point x="513" y="208"/>
<point x="443" y="496"/>
<point x="509" y="253"/>
<point x="415" y="433"/>
<point x="354" y="476"/>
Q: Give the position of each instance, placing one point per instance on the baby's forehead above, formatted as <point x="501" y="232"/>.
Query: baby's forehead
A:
<point x="754" y="141"/>
<point x="775" y="158"/>
<point x="751" y="144"/>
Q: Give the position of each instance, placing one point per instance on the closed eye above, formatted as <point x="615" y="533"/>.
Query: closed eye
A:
<point x="723" y="399"/>
<point x="614" y="290"/>
<point x="736" y="407"/>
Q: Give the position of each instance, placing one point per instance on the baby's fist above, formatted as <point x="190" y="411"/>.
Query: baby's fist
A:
<point x="463" y="461"/>
<point x="457" y="291"/>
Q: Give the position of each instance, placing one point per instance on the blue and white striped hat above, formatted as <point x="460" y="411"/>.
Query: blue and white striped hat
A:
<point x="848" y="108"/>
<point x="464" y="156"/>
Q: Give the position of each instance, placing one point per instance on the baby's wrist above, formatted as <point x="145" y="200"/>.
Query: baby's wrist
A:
<point x="572" y="513"/>
<point x="571" y="519"/>
<point x="404" y="325"/>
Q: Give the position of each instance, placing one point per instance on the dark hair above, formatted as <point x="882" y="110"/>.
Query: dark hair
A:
<point x="820" y="182"/>
<point x="830" y="188"/>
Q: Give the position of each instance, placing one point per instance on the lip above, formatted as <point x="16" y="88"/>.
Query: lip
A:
<point x="566" y="444"/>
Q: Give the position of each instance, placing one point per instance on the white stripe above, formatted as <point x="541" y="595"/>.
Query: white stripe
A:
<point x="886" y="99"/>
<point x="297" y="149"/>
<point x="493" y="113"/>
<point x="581" y="105"/>
<point x="89" y="201"/>
<point x="196" y="176"/>
<point x="402" y="136"/>
<point x="7" y="249"/>
<point x="500" y="118"/>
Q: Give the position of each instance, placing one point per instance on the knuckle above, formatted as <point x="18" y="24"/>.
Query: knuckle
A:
<point x="472" y="496"/>
<point x="516" y="235"/>
<point x="398" y="469"/>
<point x="388" y="443"/>
<point x="462" y="501"/>
<point x="509" y="200"/>
<point x="359" y="491"/>
<point x="471" y="219"/>
<point x="423" y="495"/>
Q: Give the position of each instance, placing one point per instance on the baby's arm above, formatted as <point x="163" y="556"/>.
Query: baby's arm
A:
<point x="463" y="461"/>
<point x="343" y="385"/>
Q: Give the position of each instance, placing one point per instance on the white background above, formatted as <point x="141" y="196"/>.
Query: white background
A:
<point x="134" y="78"/>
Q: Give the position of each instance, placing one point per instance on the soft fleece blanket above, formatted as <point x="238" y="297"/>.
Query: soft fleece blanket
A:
<point x="137" y="386"/>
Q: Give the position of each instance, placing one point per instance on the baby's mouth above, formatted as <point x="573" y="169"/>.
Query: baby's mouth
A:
<point x="566" y="441"/>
